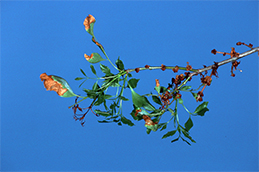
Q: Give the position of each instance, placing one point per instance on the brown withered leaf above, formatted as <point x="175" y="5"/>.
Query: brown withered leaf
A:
<point x="88" y="57"/>
<point x="88" y="20"/>
<point x="148" y="120"/>
<point x="52" y="85"/>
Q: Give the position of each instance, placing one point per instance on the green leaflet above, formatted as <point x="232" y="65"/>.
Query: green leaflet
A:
<point x="169" y="133"/>
<point x="92" y="68"/>
<point x="119" y="64"/>
<point x="189" y="124"/>
<point x="202" y="108"/>
<point x="140" y="101"/>
<point x="133" y="82"/>
<point x="95" y="58"/>
<point x="126" y="121"/>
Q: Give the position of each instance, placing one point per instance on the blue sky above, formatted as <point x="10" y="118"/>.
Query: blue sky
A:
<point x="38" y="131"/>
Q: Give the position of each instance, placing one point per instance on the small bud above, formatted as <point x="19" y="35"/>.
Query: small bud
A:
<point x="175" y="69"/>
<point x="163" y="67"/>
<point x="147" y="66"/>
<point x="214" y="51"/>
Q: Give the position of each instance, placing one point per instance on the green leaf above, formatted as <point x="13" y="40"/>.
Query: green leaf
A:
<point x="194" y="95"/>
<point x="133" y="82"/>
<point x="158" y="89"/>
<point x="189" y="124"/>
<point x="100" y="100"/>
<point x="119" y="64"/>
<point x="186" y="134"/>
<point x="175" y="140"/>
<point x="78" y="78"/>
<point x="129" y="75"/>
<point x="95" y="58"/>
<point x="92" y="68"/>
<point x="201" y="109"/>
<point x="156" y="100"/>
<point x="107" y="96"/>
<point x="126" y="121"/>
<point x="106" y="114"/>
<point x="95" y="86"/>
<point x="90" y="93"/>
<point x="186" y="141"/>
<point x="105" y="69"/>
<point x="81" y="83"/>
<point x="140" y="101"/>
<point x="104" y="121"/>
<point x="185" y="88"/>
<point x="123" y="98"/>
<point x="63" y="82"/>
<point x="148" y="131"/>
<point x="169" y="133"/>
<point x="164" y="127"/>
<point x="83" y="72"/>
<point x="202" y="112"/>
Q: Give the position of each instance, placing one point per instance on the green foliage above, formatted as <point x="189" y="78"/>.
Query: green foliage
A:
<point x="141" y="101"/>
<point x="110" y="103"/>
<point x="133" y="83"/>
<point x="119" y="64"/>
<point x="202" y="108"/>
<point x="169" y="133"/>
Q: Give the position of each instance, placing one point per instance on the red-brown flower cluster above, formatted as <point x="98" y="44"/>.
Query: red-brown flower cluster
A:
<point x="175" y="69"/>
<point x="234" y="65"/>
<point x="163" y="67"/>
<point x="188" y="67"/>
<point x="147" y="66"/>
<point x="233" y="52"/>
<point x="241" y="43"/>
<point x="199" y="96"/>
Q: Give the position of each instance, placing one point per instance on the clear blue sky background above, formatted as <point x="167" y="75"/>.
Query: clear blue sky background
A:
<point x="38" y="131"/>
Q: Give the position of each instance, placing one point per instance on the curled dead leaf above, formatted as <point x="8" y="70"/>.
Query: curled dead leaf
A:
<point x="148" y="120"/>
<point x="52" y="85"/>
<point x="88" y="20"/>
